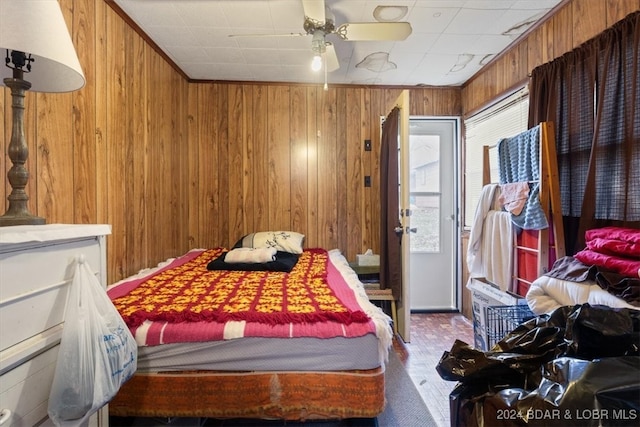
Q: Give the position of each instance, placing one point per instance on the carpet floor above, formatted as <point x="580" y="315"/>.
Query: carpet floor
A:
<point x="404" y="408"/>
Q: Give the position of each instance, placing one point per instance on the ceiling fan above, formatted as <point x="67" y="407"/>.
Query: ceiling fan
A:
<point x="319" y="22"/>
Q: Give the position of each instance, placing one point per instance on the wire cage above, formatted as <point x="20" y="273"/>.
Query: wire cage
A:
<point x="503" y="319"/>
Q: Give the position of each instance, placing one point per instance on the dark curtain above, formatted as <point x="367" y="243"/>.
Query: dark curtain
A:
<point x="390" y="242"/>
<point x="591" y="95"/>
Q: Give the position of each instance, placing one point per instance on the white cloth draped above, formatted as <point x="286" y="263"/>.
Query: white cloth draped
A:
<point x="498" y="245"/>
<point x="491" y="241"/>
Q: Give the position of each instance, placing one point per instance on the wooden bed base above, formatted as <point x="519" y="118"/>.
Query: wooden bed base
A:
<point x="266" y="395"/>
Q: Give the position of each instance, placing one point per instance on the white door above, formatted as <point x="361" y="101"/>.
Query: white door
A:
<point x="433" y="195"/>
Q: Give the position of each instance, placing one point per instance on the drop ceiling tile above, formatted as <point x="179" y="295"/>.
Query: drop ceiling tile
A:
<point x="224" y="55"/>
<point x="432" y="20"/>
<point x="517" y="21"/>
<point x="256" y="42"/>
<point x="432" y="66"/>
<point x="295" y="57"/>
<point x="173" y="36"/>
<point x="535" y="4"/>
<point x="187" y="54"/>
<point x="416" y="43"/>
<point x="201" y="13"/>
<point x="286" y="14"/>
<point x="260" y="56"/>
<point x="453" y="43"/>
<point x="246" y="13"/>
<point x="441" y="3"/>
<point x="489" y="4"/>
<point x="351" y="11"/>
<point x="407" y="61"/>
<point x="293" y="42"/>
<point x="153" y="12"/>
<point x="476" y="21"/>
<point x="483" y="45"/>
<point x="193" y="31"/>
<point x="213" y="37"/>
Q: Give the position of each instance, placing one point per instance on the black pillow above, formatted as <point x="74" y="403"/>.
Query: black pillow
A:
<point x="284" y="262"/>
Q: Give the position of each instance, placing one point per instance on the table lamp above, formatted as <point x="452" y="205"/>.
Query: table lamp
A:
<point x="39" y="56"/>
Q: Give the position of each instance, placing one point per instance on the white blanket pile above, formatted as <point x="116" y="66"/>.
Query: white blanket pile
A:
<point x="548" y="293"/>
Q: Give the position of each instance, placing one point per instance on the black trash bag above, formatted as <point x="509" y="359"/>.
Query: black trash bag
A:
<point x="578" y="366"/>
<point x="594" y="331"/>
<point x="467" y="364"/>
<point x="572" y="393"/>
<point x="583" y="331"/>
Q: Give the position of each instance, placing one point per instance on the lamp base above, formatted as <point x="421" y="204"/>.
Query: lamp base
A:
<point x="7" y="220"/>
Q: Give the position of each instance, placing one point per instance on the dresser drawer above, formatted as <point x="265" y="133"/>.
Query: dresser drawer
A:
<point x="34" y="302"/>
<point x="37" y="264"/>
<point x="25" y="389"/>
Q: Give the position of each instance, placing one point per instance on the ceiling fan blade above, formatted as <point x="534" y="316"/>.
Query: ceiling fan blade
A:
<point x="269" y="35"/>
<point x="331" y="58"/>
<point x="365" y="31"/>
<point x="314" y="10"/>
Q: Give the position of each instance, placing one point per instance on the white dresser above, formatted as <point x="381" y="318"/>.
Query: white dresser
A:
<point x="35" y="272"/>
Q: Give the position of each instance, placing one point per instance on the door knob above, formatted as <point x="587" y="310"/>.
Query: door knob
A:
<point x="400" y="230"/>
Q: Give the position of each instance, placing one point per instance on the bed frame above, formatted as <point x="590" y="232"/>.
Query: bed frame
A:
<point x="267" y="395"/>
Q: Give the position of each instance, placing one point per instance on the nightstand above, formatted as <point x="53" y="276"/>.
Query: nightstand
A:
<point x="369" y="275"/>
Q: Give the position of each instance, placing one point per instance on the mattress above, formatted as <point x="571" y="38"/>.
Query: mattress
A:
<point x="263" y="354"/>
<point x="276" y="354"/>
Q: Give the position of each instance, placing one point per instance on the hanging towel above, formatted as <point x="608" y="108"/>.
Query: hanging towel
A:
<point x="518" y="161"/>
<point x="498" y="242"/>
<point x="474" y="250"/>
<point x="513" y="196"/>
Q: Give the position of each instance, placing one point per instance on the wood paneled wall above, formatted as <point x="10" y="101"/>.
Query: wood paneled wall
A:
<point x="173" y="165"/>
<point x="292" y="157"/>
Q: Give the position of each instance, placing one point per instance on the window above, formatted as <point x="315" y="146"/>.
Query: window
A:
<point x="504" y="119"/>
<point x="424" y="190"/>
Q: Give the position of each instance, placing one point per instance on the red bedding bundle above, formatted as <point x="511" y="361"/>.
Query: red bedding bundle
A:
<point x="616" y="249"/>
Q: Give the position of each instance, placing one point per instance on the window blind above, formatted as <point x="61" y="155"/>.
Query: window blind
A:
<point x="503" y="119"/>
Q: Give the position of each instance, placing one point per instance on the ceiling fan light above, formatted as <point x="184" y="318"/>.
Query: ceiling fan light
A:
<point x="316" y="63"/>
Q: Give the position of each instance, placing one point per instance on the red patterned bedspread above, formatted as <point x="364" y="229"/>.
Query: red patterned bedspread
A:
<point x="185" y="302"/>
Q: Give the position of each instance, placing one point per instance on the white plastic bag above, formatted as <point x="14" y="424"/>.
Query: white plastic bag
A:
<point x="97" y="352"/>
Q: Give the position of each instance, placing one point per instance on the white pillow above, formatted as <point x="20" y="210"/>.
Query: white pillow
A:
<point x="284" y="241"/>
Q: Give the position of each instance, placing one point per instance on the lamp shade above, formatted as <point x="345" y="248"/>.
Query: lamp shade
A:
<point x="37" y="27"/>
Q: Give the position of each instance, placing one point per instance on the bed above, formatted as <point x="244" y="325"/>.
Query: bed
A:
<point x="606" y="272"/>
<point x="219" y="343"/>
